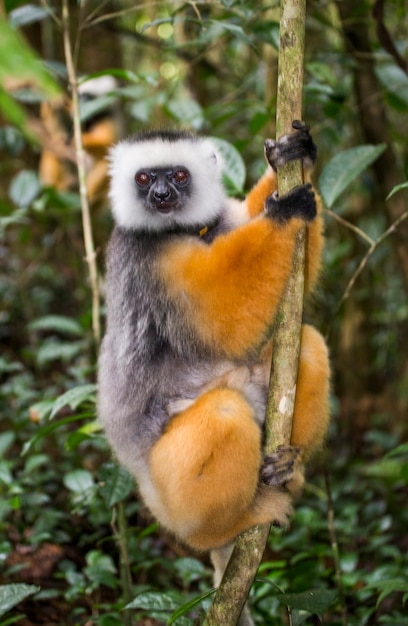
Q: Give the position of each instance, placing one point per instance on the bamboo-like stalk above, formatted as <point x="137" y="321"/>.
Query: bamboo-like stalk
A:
<point x="240" y="573"/>
<point x="120" y="528"/>
<point x="90" y="253"/>
<point x="286" y="341"/>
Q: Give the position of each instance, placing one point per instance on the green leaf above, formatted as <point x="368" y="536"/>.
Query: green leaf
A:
<point x="11" y="620"/>
<point x="55" y="202"/>
<point x="14" y="113"/>
<point x="51" y="350"/>
<point x="387" y="587"/>
<point x="348" y="562"/>
<point x="343" y="168"/>
<point x="45" y="431"/>
<point x="11" y="140"/>
<point x="6" y="440"/>
<point x="6" y="477"/>
<point x="187" y="606"/>
<point x="96" y="558"/>
<point x="19" y="216"/>
<point x="154" y="600"/>
<point x="393" y="587"/>
<point x="13" y="594"/>
<point x="157" y="22"/>
<point x="234" y="172"/>
<point x="120" y="74"/>
<point x="401" y="450"/>
<point x="19" y="61"/>
<point x="142" y="110"/>
<point x="40" y="410"/>
<point x="57" y="323"/>
<point x="92" y="107"/>
<point x="90" y="428"/>
<point x="9" y="367"/>
<point x="35" y="461"/>
<point x="159" y="603"/>
<point x="385" y="468"/>
<point x="27" y="14"/>
<point x="315" y="601"/>
<point x="397" y="188"/>
<point x="190" y="570"/>
<point x="24" y="188"/>
<point x="323" y="73"/>
<point x="79" y="481"/>
<point x="100" y="569"/>
<point x="74" y="398"/>
<point x="233" y="29"/>
<point x="395" y="83"/>
<point x="116" y="485"/>
<point x="268" y="32"/>
<point x="258" y="121"/>
<point x="186" y="111"/>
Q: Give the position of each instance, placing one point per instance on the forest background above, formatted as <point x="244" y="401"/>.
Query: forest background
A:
<point x="76" y="546"/>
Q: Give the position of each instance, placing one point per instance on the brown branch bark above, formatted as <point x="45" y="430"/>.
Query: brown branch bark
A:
<point x="373" y="121"/>
<point x="240" y="573"/>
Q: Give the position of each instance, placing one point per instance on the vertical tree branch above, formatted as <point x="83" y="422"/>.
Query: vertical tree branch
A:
<point x="90" y="254"/>
<point x="249" y="547"/>
<point x="120" y="528"/>
<point x="286" y="341"/>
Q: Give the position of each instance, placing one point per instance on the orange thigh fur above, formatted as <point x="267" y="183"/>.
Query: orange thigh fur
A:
<point x="205" y="466"/>
<point x="311" y="414"/>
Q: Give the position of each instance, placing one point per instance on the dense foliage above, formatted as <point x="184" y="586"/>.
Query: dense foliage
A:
<point x="76" y="546"/>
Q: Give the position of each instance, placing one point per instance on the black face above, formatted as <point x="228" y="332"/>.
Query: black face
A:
<point x="164" y="189"/>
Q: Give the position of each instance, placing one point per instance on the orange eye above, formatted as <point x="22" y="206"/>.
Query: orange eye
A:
<point x="142" y="179"/>
<point x="181" y="176"/>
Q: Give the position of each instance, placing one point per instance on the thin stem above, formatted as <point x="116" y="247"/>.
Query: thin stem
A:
<point x="391" y="229"/>
<point x="290" y="615"/>
<point x="51" y="12"/>
<point x="335" y="550"/>
<point x="88" y="19"/>
<point x="90" y="254"/>
<point x="120" y="532"/>
<point x="350" y="226"/>
<point x="92" y="21"/>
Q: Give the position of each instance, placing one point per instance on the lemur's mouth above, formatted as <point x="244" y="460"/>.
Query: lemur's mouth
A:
<point x="165" y="207"/>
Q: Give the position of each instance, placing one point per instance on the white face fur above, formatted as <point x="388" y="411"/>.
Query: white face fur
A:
<point x="198" y="155"/>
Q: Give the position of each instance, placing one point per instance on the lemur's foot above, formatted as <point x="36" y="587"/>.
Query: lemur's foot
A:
<point x="278" y="469"/>
<point x="293" y="147"/>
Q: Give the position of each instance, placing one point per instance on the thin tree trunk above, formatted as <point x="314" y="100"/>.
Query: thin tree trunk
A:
<point x="249" y="547"/>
